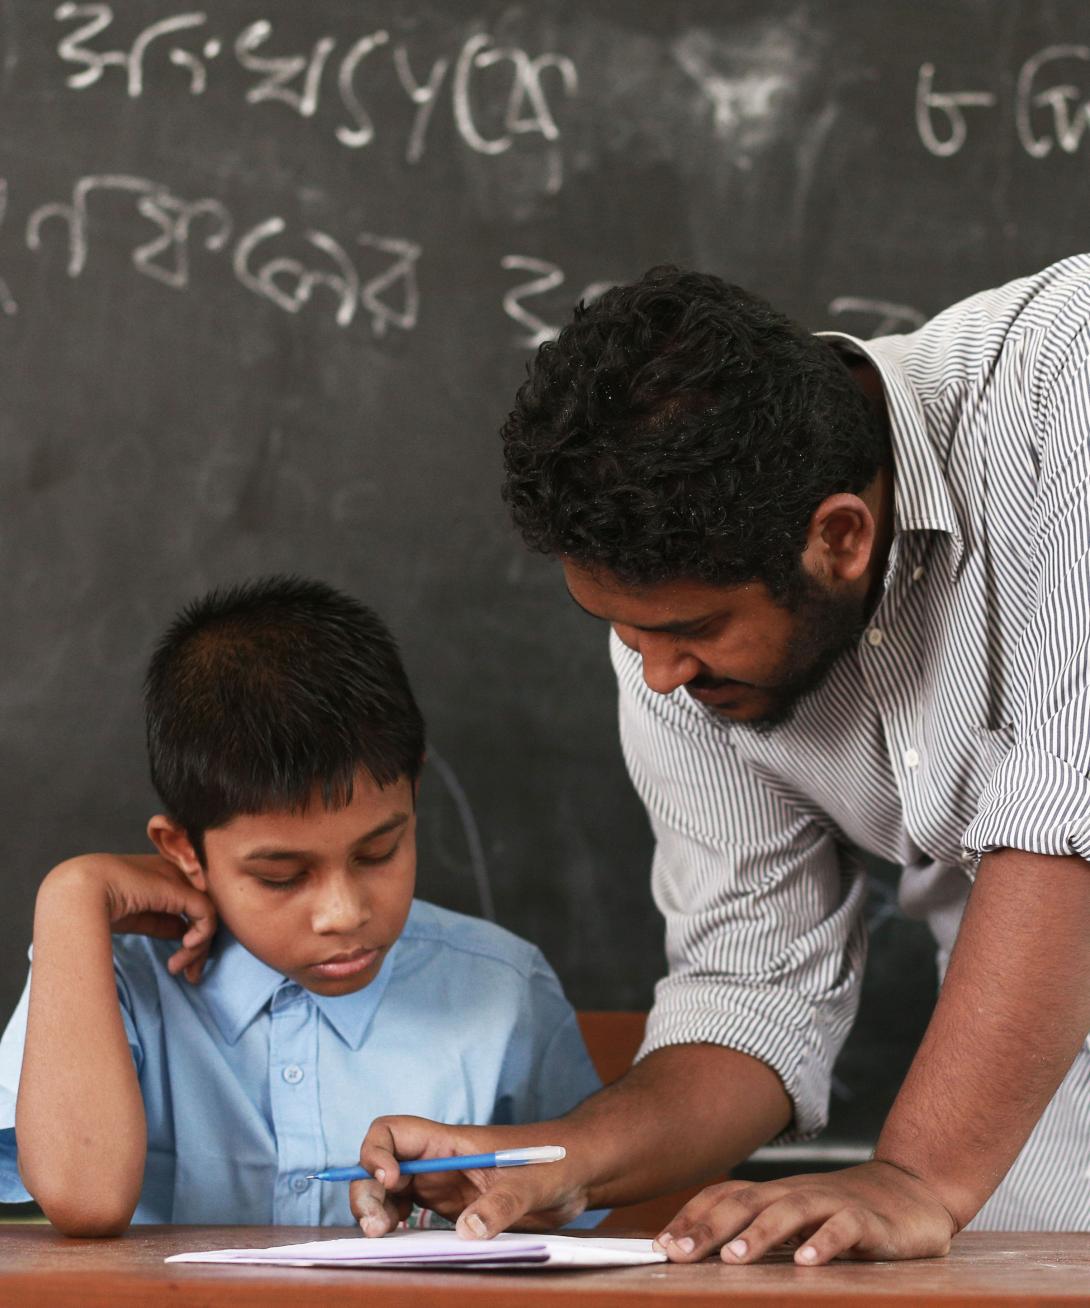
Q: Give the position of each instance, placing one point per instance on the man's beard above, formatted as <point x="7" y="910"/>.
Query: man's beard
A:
<point x="826" y="626"/>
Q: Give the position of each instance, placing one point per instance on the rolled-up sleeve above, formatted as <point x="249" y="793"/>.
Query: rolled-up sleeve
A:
<point x="1038" y="797"/>
<point x="762" y="904"/>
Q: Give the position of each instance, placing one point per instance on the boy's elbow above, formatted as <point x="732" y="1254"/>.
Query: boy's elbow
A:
<point x="82" y="1211"/>
<point x="87" y="1220"/>
<point x="86" y="1190"/>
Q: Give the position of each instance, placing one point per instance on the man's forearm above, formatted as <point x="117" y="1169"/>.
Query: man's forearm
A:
<point x="681" y="1116"/>
<point x="80" y="1119"/>
<point x="1013" y="1011"/>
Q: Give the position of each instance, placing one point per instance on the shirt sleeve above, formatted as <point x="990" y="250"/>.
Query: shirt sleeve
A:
<point x="12" y="1190"/>
<point x="765" y="940"/>
<point x="548" y="1070"/>
<point x="1038" y="797"/>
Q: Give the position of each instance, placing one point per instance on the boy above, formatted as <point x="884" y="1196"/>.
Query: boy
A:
<point x="286" y="746"/>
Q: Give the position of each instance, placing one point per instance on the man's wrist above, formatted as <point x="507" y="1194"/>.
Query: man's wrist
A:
<point x="961" y="1200"/>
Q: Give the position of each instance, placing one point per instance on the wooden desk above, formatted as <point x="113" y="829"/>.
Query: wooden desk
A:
<point x="41" y="1269"/>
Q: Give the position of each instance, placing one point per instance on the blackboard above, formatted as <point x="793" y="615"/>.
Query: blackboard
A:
<point x="269" y="273"/>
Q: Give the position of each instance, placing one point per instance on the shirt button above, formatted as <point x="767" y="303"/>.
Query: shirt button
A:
<point x="293" y="1074"/>
<point x="917" y="573"/>
<point x="874" y="636"/>
<point x="300" y="1184"/>
<point x="911" y="758"/>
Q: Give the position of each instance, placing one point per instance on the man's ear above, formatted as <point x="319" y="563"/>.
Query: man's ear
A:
<point x="175" y="846"/>
<point x="841" y="538"/>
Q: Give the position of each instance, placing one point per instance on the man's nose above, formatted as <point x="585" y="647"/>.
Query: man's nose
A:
<point x="343" y="906"/>
<point x="666" y="665"/>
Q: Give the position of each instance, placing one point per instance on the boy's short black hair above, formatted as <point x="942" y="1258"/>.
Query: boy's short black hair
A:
<point x="680" y="427"/>
<point x="258" y="693"/>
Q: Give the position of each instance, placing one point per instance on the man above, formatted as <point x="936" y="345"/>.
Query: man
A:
<point x="849" y="590"/>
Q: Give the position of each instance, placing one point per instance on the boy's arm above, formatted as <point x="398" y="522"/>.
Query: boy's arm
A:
<point x="79" y="1116"/>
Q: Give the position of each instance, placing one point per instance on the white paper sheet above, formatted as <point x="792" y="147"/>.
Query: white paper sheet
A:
<point x="442" y="1249"/>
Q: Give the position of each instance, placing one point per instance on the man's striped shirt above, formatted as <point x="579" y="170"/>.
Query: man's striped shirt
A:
<point x="959" y="724"/>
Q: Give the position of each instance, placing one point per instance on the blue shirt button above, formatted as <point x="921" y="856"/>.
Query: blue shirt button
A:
<point x="293" y="1074"/>
<point x="300" y="1184"/>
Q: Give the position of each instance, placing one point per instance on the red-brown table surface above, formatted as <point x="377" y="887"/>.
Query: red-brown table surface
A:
<point x="39" y="1268"/>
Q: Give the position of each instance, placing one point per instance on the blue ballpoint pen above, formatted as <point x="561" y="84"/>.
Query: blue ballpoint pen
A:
<point x="461" y="1163"/>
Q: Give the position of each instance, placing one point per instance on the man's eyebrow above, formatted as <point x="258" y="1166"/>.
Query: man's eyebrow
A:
<point x="278" y="854"/>
<point x="679" y="628"/>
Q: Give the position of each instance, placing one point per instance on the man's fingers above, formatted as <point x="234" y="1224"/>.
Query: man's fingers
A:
<point x="492" y="1213"/>
<point x="372" y="1207"/>
<point x="391" y="1138"/>
<point x="794" y="1214"/>
<point x="718" y="1213"/>
<point x="838" y="1236"/>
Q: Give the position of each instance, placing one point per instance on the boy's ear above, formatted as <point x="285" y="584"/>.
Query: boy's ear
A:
<point x="175" y="846"/>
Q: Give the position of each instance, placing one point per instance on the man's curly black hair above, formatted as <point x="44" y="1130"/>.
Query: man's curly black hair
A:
<point x="681" y="427"/>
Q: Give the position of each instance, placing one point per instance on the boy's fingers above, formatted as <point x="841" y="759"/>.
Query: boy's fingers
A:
<point x="161" y="926"/>
<point x="189" y="960"/>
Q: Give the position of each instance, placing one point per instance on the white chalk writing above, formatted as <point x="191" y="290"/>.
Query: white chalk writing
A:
<point x="1049" y="110"/>
<point x="388" y="297"/>
<point x="875" y="317"/>
<point x="480" y="76"/>
<point x="7" y="300"/>
<point x="73" y="47"/>
<point x="546" y="277"/>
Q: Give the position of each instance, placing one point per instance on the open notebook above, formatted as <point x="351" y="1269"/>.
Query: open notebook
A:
<point x="444" y="1249"/>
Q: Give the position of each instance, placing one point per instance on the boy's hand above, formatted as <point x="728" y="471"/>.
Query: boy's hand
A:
<point x="143" y="894"/>
<point x="484" y="1201"/>
<point x="874" y="1212"/>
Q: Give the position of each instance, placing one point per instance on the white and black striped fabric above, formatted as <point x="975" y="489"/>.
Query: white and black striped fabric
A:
<point x="960" y="724"/>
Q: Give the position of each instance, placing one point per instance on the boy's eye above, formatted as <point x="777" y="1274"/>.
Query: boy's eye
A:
<point x="282" y="883"/>
<point x="378" y="856"/>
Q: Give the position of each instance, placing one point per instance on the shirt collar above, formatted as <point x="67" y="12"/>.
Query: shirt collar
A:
<point x="922" y="500"/>
<point x="236" y="986"/>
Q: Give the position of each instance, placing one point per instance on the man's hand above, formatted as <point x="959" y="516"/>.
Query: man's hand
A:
<point x="142" y="894"/>
<point x="875" y="1212"/>
<point x="484" y="1201"/>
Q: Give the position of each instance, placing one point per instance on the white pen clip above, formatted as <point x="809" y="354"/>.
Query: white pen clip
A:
<point x="535" y="1154"/>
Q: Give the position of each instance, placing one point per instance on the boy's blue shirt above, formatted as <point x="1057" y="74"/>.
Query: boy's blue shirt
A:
<point x="250" y="1082"/>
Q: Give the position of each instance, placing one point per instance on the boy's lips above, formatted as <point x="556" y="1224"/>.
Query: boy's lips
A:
<point x="350" y="964"/>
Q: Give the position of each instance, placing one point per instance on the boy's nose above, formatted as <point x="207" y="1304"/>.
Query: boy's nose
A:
<point x="342" y="909"/>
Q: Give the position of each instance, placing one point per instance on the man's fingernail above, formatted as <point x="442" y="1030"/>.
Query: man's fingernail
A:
<point x="685" y="1244"/>
<point x="380" y="1175"/>
<point x="663" y="1240"/>
<point x="373" y="1225"/>
<point x="476" y="1227"/>
<point x="739" y="1248"/>
<point x="807" y="1254"/>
